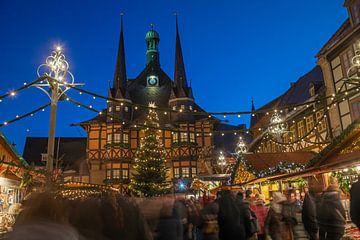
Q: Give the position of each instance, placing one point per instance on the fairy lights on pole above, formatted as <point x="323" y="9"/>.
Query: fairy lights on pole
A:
<point x="222" y="161"/>
<point x="57" y="79"/>
<point x="277" y="125"/>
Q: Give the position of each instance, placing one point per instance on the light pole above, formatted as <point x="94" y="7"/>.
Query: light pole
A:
<point x="57" y="80"/>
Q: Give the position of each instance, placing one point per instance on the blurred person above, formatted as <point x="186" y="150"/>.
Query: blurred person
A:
<point x="276" y="227"/>
<point x="170" y="225"/>
<point x="42" y="218"/>
<point x="309" y="208"/>
<point x="182" y="209"/>
<point x="209" y="221"/>
<point x="230" y="226"/>
<point x="292" y="211"/>
<point x="248" y="219"/>
<point x="260" y="211"/>
<point x="354" y="203"/>
<point x="331" y="213"/>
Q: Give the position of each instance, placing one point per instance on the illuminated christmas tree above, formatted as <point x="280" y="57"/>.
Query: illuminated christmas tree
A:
<point x="150" y="177"/>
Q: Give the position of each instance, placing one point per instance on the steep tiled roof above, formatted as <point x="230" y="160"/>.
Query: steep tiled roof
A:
<point x="344" y="29"/>
<point x="297" y="93"/>
<point x="70" y="150"/>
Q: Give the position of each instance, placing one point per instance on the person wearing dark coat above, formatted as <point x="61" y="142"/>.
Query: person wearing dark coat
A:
<point x="309" y="216"/>
<point x="355" y="203"/>
<point x="331" y="214"/>
<point x="208" y="221"/>
<point x="230" y="227"/>
<point x="246" y="214"/>
<point x="169" y="226"/>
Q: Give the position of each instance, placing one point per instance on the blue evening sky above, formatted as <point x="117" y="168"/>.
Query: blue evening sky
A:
<point x="234" y="50"/>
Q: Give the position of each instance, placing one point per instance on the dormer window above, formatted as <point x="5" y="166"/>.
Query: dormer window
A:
<point x="44" y="157"/>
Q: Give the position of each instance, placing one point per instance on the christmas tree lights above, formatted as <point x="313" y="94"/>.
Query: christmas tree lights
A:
<point x="150" y="177"/>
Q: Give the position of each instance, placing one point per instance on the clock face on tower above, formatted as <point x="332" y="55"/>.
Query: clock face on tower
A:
<point x="152" y="80"/>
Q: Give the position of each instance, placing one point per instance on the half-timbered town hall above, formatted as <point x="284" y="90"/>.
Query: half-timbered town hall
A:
<point x="114" y="136"/>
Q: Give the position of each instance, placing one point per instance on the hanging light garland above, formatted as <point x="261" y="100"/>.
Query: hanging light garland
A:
<point x="29" y="114"/>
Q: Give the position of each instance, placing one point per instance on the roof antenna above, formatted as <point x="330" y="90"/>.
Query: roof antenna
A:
<point x="152" y="26"/>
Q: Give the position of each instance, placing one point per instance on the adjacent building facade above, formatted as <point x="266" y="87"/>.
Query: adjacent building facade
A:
<point x="335" y="59"/>
<point x="303" y="110"/>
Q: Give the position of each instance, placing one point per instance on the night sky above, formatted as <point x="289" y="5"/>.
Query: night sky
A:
<point x="233" y="50"/>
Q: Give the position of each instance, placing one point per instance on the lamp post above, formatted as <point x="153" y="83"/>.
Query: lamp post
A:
<point x="57" y="80"/>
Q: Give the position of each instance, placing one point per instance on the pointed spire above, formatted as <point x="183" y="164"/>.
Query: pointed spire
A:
<point x="179" y="73"/>
<point x="119" y="83"/>
<point x="253" y="118"/>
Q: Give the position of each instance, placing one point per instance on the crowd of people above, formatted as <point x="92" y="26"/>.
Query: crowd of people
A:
<point x="231" y="216"/>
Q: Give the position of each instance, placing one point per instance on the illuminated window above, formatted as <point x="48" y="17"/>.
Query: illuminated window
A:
<point x="116" y="137"/>
<point x="286" y="137"/>
<point x="182" y="107"/>
<point x="193" y="171"/>
<point x="175" y="137"/>
<point x="125" y="138"/>
<point x="293" y="132"/>
<point x="176" y="172"/>
<point x="125" y="173"/>
<point x="174" y="107"/>
<point x="301" y="129"/>
<point x="309" y="123"/>
<point x="109" y="138"/>
<point x="44" y="157"/>
<point x="117" y="108"/>
<point x="116" y="173"/>
<point x="108" y="174"/>
<point x="126" y="109"/>
<point x="191" y="108"/>
<point x="321" y="120"/>
<point x="185" y="172"/>
<point x="110" y="109"/>
<point x="192" y="137"/>
<point x="183" y="137"/>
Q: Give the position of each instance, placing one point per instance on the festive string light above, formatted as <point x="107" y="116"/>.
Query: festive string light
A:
<point x="277" y="126"/>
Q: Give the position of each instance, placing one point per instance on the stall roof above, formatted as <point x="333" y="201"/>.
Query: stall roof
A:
<point x="214" y="177"/>
<point x="343" y="152"/>
<point x="263" y="161"/>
